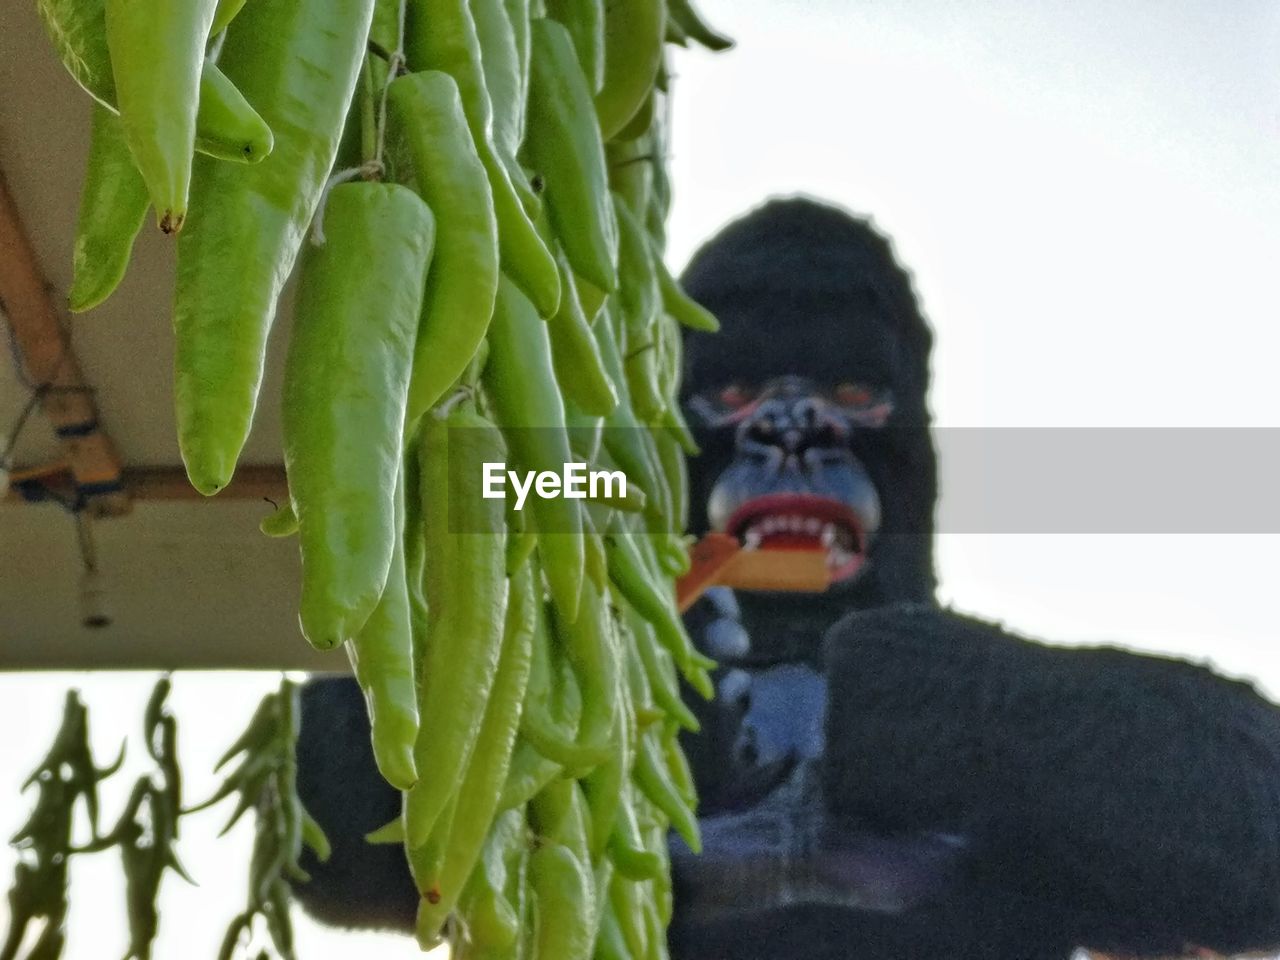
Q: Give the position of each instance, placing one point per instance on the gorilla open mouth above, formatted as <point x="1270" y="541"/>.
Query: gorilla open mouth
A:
<point x="802" y="521"/>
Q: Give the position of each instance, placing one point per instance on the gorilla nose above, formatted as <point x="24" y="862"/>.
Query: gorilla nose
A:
<point x="793" y="424"/>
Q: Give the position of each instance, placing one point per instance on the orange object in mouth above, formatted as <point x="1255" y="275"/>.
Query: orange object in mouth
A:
<point x="719" y="560"/>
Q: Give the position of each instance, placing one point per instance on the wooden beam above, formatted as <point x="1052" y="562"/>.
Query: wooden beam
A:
<point x="251" y="482"/>
<point x="49" y="363"/>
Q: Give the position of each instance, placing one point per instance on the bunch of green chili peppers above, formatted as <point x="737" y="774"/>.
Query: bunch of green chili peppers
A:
<point x="476" y="191"/>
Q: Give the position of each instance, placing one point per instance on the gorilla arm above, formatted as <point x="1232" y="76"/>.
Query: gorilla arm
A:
<point x="980" y="789"/>
<point x="1139" y="794"/>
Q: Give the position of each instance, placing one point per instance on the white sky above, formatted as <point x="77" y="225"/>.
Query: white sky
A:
<point x="1087" y="196"/>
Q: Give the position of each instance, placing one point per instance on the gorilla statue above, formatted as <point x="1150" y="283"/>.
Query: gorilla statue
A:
<point x="880" y="778"/>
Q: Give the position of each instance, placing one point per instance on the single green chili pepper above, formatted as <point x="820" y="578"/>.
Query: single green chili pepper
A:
<point x="565" y="149"/>
<point x="597" y="567"/>
<point x="463" y="281"/>
<point x="78" y="31"/>
<point x="659" y="669"/>
<point x="227" y="127"/>
<point x="382" y="659"/>
<point x="584" y="19"/>
<point x="390" y="832"/>
<point x="585" y="431"/>
<point x="486" y="773"/>
<point x="576" y="358"/>
<point x="678" y="764"/>
<point x="691" y="22"/>
<point x="639" y="305"/>
<point x="610" y="944"/>
<point x="640" y="124"/>
<point x="655" y="931"/>
<point x="626" y="844"/>
<point x="113" y="204"/>
<point x="504" y="75"/>
<point x="441" y="35"/>
<point x="559" y="815"/>
<point x="554" y="732"/>
<point x="282" y="522"/>
<point x="413" y="545"/>
<point x="565" y="901"/>
<point x="675" y="471"/>
<point x="530" y="772"/>
<point x="298" y="63"/>
<point x="631" y="171"/>
<point x="521" y="385"/>
<point x="654" y="780"/>
<point x="604" y="787"/>
<point x="494" y="897"/>
<point x="679" y="304"/>
<point x="628" y="443"/>
<point x="518" y="16"/>
<point x="466" y="593"/>
<point x="633" y="35"/>
<point x="157" y="54"/>
<point x="592" y="649"/>
<point x="627" y="897"/>
<point x="630" y="575"/>
<point x="493" y="926"/>
<point x="425" y="863"/>
<point x="639" y="299"/>
<point x="345" y="387"/>
<point x="675" y="34"/>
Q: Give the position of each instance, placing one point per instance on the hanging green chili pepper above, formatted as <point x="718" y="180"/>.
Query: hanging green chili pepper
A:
<point x="466" y="594"/>
<point x="633" y="35"/>
<point x="591" y="646"/>
<point x="345" y="386"/>
<point x="684" y="13"/>
<point x="504" y="76"/>
<point x="564" y="893"/>
<point x="157" y="53"/>
<point x="486" y="773"/>
<point x="227" y="127"/>
<point x="584" y="19"/>
<point x="630" y="575"/>
<point x="113" y="204"/>
<point x="382" y="659"/>
<point x="654" y="779"/>
<point x="679" y="304"/>
<point x="565" y="149"/>
<point x="579" y="369"/>
<point x="463" y="280"/>
<point x="297" y="62"/>
<point x="441" y="35"/>
<point x="521" y="385"/>
<point x="627" y="897"/>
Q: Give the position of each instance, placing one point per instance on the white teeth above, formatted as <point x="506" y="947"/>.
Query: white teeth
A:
<point x="828" y="537"/>
<point x="838" y="557"/>
<point x="753" y="538"/>
<point x="812" y="526"/>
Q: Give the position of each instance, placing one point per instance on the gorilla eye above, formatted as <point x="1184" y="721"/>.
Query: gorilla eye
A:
<point x="852" y="395"/>
<point x="735" y="395"/>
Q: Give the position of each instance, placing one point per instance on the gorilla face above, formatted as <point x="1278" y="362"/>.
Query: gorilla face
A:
<point x="810" y="409"/>
<point x="794" y="482"/>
